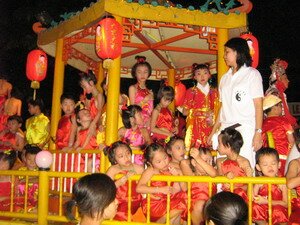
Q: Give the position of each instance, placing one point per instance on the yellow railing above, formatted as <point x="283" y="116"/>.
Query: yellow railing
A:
<point x="42" y="215"/>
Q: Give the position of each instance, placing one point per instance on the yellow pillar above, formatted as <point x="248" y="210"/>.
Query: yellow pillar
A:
<point x="100" y="76"/>
<point x="43" y="198"/>
<point x="171" y="82"/>
<point x="222" y="39"/>
<point x="58" y="85"/>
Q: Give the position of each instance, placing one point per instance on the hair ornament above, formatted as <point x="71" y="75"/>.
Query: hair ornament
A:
<point x="80" y="105"/>
<point x="7" y="152"/>
<point x="278" y="68"/>
<point x="167" y="140"/>
<point x="140" y="59"/>
<point x="124" y="107"/>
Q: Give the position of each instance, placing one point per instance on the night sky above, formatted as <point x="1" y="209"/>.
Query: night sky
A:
<point x="273" y="22"/>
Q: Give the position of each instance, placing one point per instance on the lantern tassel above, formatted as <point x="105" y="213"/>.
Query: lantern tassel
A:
<point x="34" y="94"/>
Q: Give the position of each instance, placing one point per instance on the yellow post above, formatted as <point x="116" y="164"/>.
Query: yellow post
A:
<point x="222" y="39"/>
<point x="58" y="84"/>
<point x="100" y="77"/>
<point x="171" y="82"/>
<point x="43" y="198"/>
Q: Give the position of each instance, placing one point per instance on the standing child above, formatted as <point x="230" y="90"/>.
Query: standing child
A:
<point x="158" y="163"/>
<point x="38" y="125"/>
<point x="66" y="130"/>
<point x="200" y="106"/>
<point x="94" y="196"/>
<point x="199" y="164"/>
<point x="119" y="155"/>
<point x="280" y="128"/>
<point x="267" y="163"/>
<point x="133" y="133"/>
<point x="139" y="94"/>
<point x="162" y="120"/>
<point x="233" y="165"/>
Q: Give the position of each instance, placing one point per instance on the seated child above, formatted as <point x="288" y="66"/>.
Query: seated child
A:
<point x="267" y="163"/>
<point x="94" y="195"/>
<point x="279" y="126"/>
<point x="12" y="138"/>
<point x="119" y="155"/>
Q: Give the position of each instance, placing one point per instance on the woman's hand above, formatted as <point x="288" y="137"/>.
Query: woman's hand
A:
<point x="257" y="141"/>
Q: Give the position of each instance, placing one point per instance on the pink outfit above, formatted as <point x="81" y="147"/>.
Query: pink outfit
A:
<point x="135" y="139"/>
<point x="146" y="107"/>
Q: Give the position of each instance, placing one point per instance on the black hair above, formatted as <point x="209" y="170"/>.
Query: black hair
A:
<point x="226" y="208"/>
<point x="16" y="118"/>
<point x="165" y="91"/>
<point x="266" y="151"/>
<point x="110" y="151"/>
<point x="89" y="76"/>
<point x="32" y="149"/>
<point x="16" y="93"/>
<point x="149" y="152"/>
<point x="232" y="138"/>
<point x="141" y="61"/>
<point x="92" y="194"/>
<point x="9" y="156"/>
<point x="241" y="47"/>
<point x="128" y="113"/>
<point x="66" y="96"/>
<point x="197" y="66"/>
<point x="172" y="140"/>
<point x="36" y="102"/>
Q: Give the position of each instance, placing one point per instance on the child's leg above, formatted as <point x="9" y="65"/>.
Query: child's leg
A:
<point x="197" y="213"/>
<point x="175" y="217"/>
<point x="261" y="222"/>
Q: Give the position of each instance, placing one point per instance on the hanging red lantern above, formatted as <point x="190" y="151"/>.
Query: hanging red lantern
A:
<point x="180" y="90"/>
<point x="253" y="46"/>
<point x="36" y="68"/>
<point x="109" y="35"/>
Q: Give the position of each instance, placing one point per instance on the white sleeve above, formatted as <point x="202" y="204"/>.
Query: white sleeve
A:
<point x="256" y="84"/>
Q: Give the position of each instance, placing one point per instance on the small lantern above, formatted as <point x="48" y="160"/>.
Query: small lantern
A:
<point x="253" y="46"/>
<point x="109" y="35"/>
<point x="180" y="90"/>
<point x="36" y="68"/>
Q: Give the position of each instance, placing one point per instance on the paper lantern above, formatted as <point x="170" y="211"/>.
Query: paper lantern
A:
<point x="43" y="160"/>
<point x="180" y="90"/>
<point x="253" y="46"/>
<point x="109" y="35"/>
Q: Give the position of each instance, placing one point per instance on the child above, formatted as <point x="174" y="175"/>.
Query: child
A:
<point x="158" y="163"/>
<point x="279" y="126"/>
<point x="293" y="182"/>
<point x="94" y="195"/>
<point x="119" y="155"/>
<point x="139" y="94"/>
<point x="12" y="138"/>
<point x="38" y="125"/>
<point x="7" y="160"/>
<point x="267" y="163"/>
<point x="66" y="130"/>
<point x="199" y="164"/>
<point x="226" y="208"/>
<point x="162" y="120"/>
<point x="176" y="149"/>
<point x="233" y="165"/>
<point x="133" y="133"/>
<point x="200" y="107"/>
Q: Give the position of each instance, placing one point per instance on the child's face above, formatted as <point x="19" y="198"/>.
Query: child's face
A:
<point x="84" y="116"/>
<point x="268" y="165"/>
<point x="142" y="73"/>
<point x="165" y="102"/>
<point x="202" y="76"/>
<point x="68" y="106"/>
<point x="4" y="165"/>
<point x="222" y="149"/>
<point x="30" y="161"/>
<point x="178" y="150"/>
<point x="277" y="109"/>
<point x="206" y="157"/>
<point x="160" y="160"/>
<point x="87" y="86"/>
<point x="111" y="210"/>
<point x="123" y="156"/>
<point x="32" y="109"/>
<point x="138" y="118"/>
<point x="13" y="126"/>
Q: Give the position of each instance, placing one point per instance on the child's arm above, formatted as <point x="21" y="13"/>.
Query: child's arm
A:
<point x="200" y="163"/>
<point x="146" y="135"/>
<point x="282" y="202"/>
<point x="291" y="139"/>
<point x="256" y="197"/>
<point x="178" y="186"/>
<point x="245" y="165"/>
<point x="131" y="93"/>
<point x="112" y="172"/>
<point x="154" y="129"/>
<point x="186" y="167"/>
<point x="72" y="132"/>
<point x="219" y="166"/>
<point x="121" y="133"/>
<point x="77" y="142"/>
<point x="292" y="178"/>
<point x="19" y="142"/>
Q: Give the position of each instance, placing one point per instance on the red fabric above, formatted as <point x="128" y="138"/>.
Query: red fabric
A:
<point x="164" y="120"/>
<point x="92" y="107"/>
<point x="5" y="192"/>
<point x="3" y="122"/>
<point x="82" y="135"/>
<point x="279" y="213"/>
<point x="8" y="137"/>
<point x="295" y="215"/>
<point x="63" y="132"/>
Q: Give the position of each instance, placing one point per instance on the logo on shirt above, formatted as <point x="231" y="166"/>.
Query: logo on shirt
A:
<point x="239" y="95"/>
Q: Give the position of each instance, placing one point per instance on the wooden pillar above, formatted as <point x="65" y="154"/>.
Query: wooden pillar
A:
<point x="222" y="39"/>
<point x="171" y="82"/>
<point x="58" y="84"/>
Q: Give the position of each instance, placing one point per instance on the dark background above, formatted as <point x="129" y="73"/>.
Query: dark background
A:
<point x="274" y="23"/>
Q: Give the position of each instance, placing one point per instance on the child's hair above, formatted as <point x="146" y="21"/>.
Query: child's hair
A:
<point x="16" y="93"/>
<point x="297" y="138"/>
<point x="91" y="194"/>
<point x="16" y="118"/>
<point x="89" y="76"/>
<point x="171" y="141"/>
<point x="9" y="156"/>
<point x="141" y="61"/>
<point x="129" y="112"/>
<point x="32" y="149"/>
<point x="36" y="102"/>
<point x="226" y="208"/>
<point x="110" y="151"/>
<point x="197" y="66"/>
<point x="165" y="91"/>
<point x="202" y="150"/>
<point x="66" y="96"/>
<point x="150" y="150"/>
<point x="232" y="138"/>
<point x="266" y="151"/>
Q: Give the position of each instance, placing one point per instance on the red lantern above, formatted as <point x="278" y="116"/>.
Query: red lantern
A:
<point x="36" y="67"/>
<point x="180" y="90"/>
<point x="253" y="46"/>
<point x="109" y="35"/>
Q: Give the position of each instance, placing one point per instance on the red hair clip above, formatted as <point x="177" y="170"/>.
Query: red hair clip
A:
<point x="140" y="59"/>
